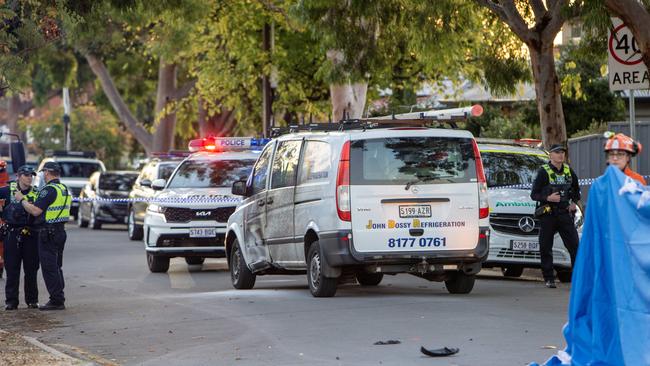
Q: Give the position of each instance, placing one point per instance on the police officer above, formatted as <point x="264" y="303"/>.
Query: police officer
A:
<point x="20" y="240"/>
<point x="556" y="190"/>
<point x="52" y="211"/>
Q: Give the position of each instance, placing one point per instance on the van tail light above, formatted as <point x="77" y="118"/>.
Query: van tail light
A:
<point x="343" y="184"/>
<point x="484" y="205"/>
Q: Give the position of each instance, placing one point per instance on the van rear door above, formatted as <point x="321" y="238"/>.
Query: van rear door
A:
<point x="414" y="192"/>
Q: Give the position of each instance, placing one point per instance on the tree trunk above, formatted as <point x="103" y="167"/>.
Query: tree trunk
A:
<point x="220" y="124"/>
<point x="637" y="18"/>
<point x="13" y="113"/>
<point x="121" y="109"/>
<point x="348" y="100"/>
<point x="165" y="125"/>
<point x="549" y="99"/>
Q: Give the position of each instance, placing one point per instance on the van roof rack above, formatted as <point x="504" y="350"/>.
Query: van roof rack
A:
<point x="532" y="143"/>
<point x="78" y="154"/>
<point x="424" y="119"/>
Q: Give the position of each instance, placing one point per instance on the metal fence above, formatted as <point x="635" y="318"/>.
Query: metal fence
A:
<point x="588" y="159"/>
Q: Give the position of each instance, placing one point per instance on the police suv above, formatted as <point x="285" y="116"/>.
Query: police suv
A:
<point x="510" y="168"/>
<point x="361" y="201"/>
<point x="188" y="217"/>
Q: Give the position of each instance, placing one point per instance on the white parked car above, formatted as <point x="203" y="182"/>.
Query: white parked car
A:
<point x="360" y="203"/>
<point x="188" y="217"/>
<point x="510" y="168"/>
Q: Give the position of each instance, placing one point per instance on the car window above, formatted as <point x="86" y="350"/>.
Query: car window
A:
<point x="431" y="160"/>
<point x="75" y="169"/>
<point x="210" y="174"/>
<point x="285" y="164"/>
<point x="116" y="182"/>
<point x="165" y="170"/>
<point x="505" y="169"/>
<point x="316" y="162"/>
<point x="260" y="172"/>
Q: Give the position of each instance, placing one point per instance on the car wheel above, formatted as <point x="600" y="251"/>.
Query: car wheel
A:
<point x="157" y="264"/>
<point x="512" y="271"/>
<point x="136" y="232"/>
<point x="369" y="279"/>
<point x="460" y="283"/>
<point x="80" y="221"/>
<point x="564" y="276"/>
<point x="242" y="278"/>
<point x="94" y="223"/>
<point x="319" y="285"/>
<point x="194" y="260"/>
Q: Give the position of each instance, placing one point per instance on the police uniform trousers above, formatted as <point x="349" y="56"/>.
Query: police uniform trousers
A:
<point x="558" y="221"/>
<point x="23" y="250"/>
<point x="51" y="241"/>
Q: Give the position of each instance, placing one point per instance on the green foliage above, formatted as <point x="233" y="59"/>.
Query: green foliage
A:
<point x="90" y="130"/>
<point x="496" y="122"/>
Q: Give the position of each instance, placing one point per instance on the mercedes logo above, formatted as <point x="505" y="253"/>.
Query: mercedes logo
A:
<point x="415" y="189"/>
<point x="526" y="224"/>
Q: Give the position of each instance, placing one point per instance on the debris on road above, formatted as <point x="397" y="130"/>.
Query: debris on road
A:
<point x="390" y="341"/>
<point x="440" y="352"/>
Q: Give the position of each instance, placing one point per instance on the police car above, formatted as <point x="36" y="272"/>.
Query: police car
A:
<point x="188" y="216"/>
<point x="510" y="168"/>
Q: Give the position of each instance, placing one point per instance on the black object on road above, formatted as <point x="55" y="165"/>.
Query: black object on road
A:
<point x="440" y="352"/>
<point x="390" y="341"/>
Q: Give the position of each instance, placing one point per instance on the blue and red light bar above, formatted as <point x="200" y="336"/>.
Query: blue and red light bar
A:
<point x="226" y="144"/>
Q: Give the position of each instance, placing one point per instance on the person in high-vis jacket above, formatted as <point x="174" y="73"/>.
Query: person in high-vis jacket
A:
<point x="52" y="211"/>
<point x="20" y="240"/>
<point x="556" y="190"/>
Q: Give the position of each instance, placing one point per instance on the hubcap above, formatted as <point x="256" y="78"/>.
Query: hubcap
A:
<point x="235" y="264"/>
<point x="314" y="270"/>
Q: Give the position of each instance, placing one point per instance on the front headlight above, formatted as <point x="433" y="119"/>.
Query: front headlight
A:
<point x="155" y="208"/>
<point x="578" y="218"/>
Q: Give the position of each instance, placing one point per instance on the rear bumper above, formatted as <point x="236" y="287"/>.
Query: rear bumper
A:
<point x="339" y="251"/>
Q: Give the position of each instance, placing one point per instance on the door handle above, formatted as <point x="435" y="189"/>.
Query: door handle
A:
<point x="269" y="200"/>
<point x="261" y="203"/>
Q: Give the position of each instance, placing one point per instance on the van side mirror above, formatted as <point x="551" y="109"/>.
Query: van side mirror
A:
<point x="239" y="188"/>
<point x="158" y="184"/>
<point x="145" y="183"/>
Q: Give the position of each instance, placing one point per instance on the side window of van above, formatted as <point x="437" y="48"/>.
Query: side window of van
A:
<point x="316" y="162"/>
<point x="261" y="170"/>
<point x="285" y="164"/>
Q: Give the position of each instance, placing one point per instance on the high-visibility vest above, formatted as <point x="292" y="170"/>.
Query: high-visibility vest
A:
<point x="14" y="213"/>
<point x="560" y="182"/>
<point x="59" y="210"/>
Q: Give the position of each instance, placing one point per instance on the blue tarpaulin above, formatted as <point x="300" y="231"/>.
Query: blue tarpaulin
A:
<point x="609" y="306"/>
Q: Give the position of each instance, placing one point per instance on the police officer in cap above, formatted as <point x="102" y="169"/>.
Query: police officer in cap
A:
<point x="52" y="211"/>
<point x="20" y="239"/>
<point x="556" y="191"/>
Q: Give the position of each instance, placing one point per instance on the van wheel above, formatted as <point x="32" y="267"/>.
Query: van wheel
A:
<point x="512" y="271"/>
<point x="135" y="231"/>
<point x="369" y="279"/>
<point x="242" y="278"/>
<point x="319" y="285"/>
<point x="157" y="264"/>
<point x="564" y="276"/>
<point x="460" y="283"/>
<point x="194" y="260"/>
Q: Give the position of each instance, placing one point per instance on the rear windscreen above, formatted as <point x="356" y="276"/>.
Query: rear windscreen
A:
<point x="117" y="182"/>
<point x="73" y="169"/>
<point x="400" y="160"/>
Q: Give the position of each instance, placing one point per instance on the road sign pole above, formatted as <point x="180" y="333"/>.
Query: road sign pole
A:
<point x="632" y="112"/>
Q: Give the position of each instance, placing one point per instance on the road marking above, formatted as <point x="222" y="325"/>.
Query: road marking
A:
<point x="180" y="277"/>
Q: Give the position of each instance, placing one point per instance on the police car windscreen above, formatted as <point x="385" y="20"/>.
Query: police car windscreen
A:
<point x="166" y="169"/>
<point x="117" y="182"/>
<point x="208" y="174"/>
<point x="508" y="169"/>
<point x="431" y="160"/>
<point x="73" y="169"/>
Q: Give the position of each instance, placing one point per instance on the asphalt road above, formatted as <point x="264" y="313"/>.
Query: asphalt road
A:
<point x="119" y="310"/>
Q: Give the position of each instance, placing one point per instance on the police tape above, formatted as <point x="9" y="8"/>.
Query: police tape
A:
<point x="581" y="182"/>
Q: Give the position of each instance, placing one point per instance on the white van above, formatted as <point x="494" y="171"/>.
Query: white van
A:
<point x="510" y="168"/>
<point x="359" y="203"/>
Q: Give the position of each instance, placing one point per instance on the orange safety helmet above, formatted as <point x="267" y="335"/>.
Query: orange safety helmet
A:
<point x="621" y="142"/>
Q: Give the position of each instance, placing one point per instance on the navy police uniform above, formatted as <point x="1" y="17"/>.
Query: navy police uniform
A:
<point x="20" y="245"/>
<point x="556" y="218"/>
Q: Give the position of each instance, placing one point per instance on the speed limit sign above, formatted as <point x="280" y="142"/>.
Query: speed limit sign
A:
<point x="626" y="67"/>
